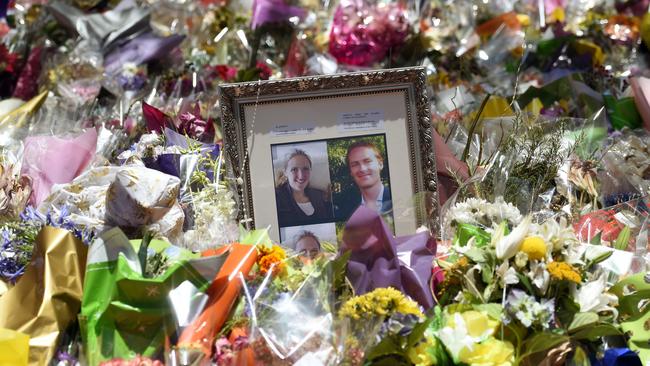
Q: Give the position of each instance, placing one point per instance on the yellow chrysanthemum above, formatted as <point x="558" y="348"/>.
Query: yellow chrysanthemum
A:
<point x="379" y="302"/>
<point x="563" y="271"/>
<point x="271" y="257"/>
<point x="534" y="247"/>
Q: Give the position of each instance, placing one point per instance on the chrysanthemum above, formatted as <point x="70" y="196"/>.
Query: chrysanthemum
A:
<point x="564" y="271"/>
<point x="379" y="302"/>
<point x="534" y="247"/>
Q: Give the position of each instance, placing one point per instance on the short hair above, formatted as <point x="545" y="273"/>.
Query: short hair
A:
<point x="364" y="143"/>
<point x="293" y="154"/>
<point x="305" y="234"/>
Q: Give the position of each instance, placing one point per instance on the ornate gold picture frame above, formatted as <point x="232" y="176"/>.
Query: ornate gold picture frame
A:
<point x="297" y="148"/>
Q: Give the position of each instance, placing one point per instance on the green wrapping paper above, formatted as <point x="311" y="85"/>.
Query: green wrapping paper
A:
<point x="47" y="297"/>
<point x="124" y="314"/>
<point x="465" y="232"/>
<point x="631" y="292"/>
<point x="622" y="112"/>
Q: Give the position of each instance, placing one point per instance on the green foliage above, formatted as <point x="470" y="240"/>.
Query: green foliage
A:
<point x="527" y="161"/>
<point x="583" y="319"/>
<point x="142" y="251"/>
<point x="623" y="239"/>
<point x="595" y="331"/>
<point x="541" y="342"/>
<point x="338" y="268"/>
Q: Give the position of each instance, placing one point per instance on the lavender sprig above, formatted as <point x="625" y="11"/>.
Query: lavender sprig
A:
<point x="18" y="237"/>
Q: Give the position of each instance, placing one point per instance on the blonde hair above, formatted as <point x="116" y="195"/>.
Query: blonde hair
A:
<point x="281" y="175"/>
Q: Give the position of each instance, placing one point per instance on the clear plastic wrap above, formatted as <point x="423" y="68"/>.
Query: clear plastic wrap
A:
<point x="294" y="327"/>
<point x="628" y="159"/>
<point x="623" y="227"/>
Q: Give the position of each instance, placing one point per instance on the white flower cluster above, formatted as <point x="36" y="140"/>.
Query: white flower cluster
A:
<point x="528" y="311"/>
<point x="476" y="211"/>
<point x="150" y="145"/>
<point x="558" y="233"/>
<point x="214" y="219"/>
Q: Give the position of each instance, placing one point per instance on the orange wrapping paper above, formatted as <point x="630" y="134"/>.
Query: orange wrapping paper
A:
<point x="223" y="292"/>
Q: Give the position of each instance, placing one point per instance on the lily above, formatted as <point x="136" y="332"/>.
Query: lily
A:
<point x="507" y="246"/>
<point x="592" y="297"/>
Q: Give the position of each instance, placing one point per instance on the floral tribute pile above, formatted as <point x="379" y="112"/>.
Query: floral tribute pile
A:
<point x="120" y="242"/>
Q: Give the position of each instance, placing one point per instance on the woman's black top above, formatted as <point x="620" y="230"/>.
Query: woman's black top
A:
<point x="290" y="214"/>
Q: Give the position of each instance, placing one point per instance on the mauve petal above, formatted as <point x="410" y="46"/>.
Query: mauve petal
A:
<point x="379" y="260"/>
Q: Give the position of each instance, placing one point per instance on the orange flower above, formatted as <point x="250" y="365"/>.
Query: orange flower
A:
<point x="271" y="257"/>
<point x="563" y="271"/>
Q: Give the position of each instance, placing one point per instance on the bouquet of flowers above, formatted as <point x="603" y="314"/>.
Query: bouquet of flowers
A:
<point x="530" y="276"/>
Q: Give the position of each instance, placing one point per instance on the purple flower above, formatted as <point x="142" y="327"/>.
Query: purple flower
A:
<point x="195" y="127"/>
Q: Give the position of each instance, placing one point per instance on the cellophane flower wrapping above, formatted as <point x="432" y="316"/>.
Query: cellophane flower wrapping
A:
<point x="291" y="312"/>
<point x="623" y="227"/>
<point x="547" y="167"/>
<point x="363" y="33"/>
<point x="130" y="308"/>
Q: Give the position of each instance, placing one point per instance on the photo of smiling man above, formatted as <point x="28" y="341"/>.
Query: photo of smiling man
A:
<point x="363" y="179"/>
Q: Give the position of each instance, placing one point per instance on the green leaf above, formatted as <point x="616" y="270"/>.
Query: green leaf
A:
<point x="329" y="247"/>
<point x="487" y="273"/>
<point x="476" y="255"/>
<point x="630" y="292"/>
<point x="583" y="319"/>
<point x="391" y="360"/>
<point x="142" y="251"/>
<point x="417" y="334"/>
<point x="515" y="333"/>
<point x="466" y="231"/>
<point x="388" y="346"/>
<point x="523" y="279"/>
<point x="596" y="239"/>
<point x="541" y="342"/>
<point x="596" y="331"/>
<point x="566" y="310"/>
<point x="493" y="310"/>
<point x="339" y="268"/>
<point x="580" y="357"/>
<point x="601" y="258"/>
<point x="639" y="333"/>
<point x="623" y="239"/>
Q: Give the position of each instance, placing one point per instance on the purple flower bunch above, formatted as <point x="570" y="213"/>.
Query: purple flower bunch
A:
<point x="17" y="238"/>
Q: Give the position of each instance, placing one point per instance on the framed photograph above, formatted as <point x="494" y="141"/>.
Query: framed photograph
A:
<point x="309" y="151"/>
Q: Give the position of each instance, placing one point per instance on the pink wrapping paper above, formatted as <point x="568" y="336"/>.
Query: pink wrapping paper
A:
<point x="50" y="160"/>
<point x="641" y="89"/>
<point x="446" y="164"/>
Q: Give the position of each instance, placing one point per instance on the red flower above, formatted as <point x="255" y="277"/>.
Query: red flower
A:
<point x="8" y="60"/>
<point x="226" y="73"/>
<point x="265" y="70"/>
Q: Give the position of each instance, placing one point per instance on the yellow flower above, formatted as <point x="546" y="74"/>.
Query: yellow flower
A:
<point x="271" y="257"/>
<point x="491" y="352"/>
<point x="271" y="249"/>
<point x="379" y="302"/>
<point x="420" y="355"/>
<point x="478" y="324"/>
<point x="563" y="271"/>
<point x="535" y="247"/>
